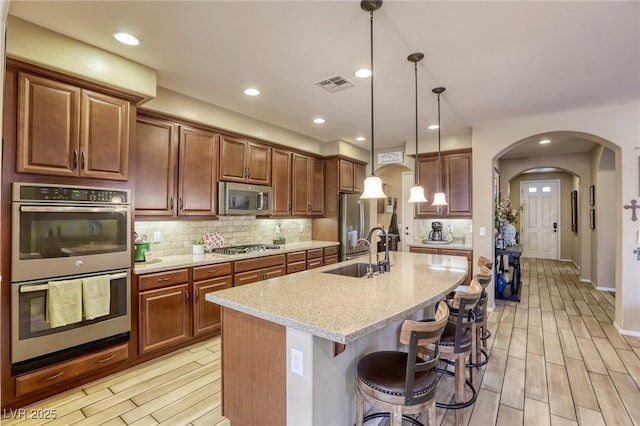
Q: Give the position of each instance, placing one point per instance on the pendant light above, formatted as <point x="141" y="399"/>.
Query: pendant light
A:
<point x="416" y="194"/>
<point x="372" y="184"/>
<point x="439" y="198"/>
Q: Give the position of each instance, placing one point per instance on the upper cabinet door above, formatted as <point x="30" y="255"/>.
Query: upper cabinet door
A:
<point x="281" y="183"/>
<point x="458" y="183"/>
<point x="429" y="181"/>
<point x="300" y="191"/>
<point x="244" y="161"/>
<point x="359" y="175"/>
<point x="232" y="159"/>
<point x="156" y="167"/>
<point x="48" y="114"/>
<point x="346" y="175"/>
<point x="316" y="188"/>
<point x="104" y="141"/>
<point x="197" y="192"/>
<point x="258" y="159"/>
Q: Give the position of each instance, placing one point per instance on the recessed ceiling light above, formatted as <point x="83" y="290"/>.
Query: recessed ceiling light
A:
<point x="544" y="141"/>
<point x="361" y="138"/>
<point x="318" y="120"/>
<point x="433" y="126"/>
<point x="363" y="73"/>
<point x="251" y="91"/>
<point x="126" y="38"/>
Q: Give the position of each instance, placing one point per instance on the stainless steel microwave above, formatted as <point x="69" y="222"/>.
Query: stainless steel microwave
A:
<point x="244" y="199"/>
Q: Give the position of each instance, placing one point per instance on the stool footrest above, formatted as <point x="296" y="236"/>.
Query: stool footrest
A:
<point x="481" y="362"/>
<point x="378" y="415"/>
<point x="458" y="405"/>
<point x="485" y="335"/>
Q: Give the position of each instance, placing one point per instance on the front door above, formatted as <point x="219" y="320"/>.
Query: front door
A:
<point x="540" y="224"/>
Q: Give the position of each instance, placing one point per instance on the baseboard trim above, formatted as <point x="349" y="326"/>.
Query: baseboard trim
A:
<point x="626" y="332"/>
<point x="612" y="289"/>
<point x="585" y="280"/>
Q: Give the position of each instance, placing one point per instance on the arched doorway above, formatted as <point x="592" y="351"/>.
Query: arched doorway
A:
<point x="587" y="165"/>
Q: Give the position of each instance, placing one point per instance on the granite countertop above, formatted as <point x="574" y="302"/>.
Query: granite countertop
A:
<point x="167" y="263"/>
<point x="344" y="309"/>
<point x="450" y="246"/>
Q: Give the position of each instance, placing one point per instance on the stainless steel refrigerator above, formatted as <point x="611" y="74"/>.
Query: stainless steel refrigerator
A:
<point x="354" y="222"/>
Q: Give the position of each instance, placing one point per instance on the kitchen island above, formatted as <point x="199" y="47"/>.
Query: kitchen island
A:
<point x="290" y="345"/>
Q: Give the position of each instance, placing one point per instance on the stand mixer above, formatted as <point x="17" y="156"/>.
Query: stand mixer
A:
<point x="436" y="232"/>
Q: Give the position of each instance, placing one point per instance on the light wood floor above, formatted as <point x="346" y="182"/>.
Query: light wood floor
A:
<point x="555" y="359"/>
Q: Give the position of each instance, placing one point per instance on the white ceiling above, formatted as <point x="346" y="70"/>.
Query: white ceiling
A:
<point x="496" y="59"/>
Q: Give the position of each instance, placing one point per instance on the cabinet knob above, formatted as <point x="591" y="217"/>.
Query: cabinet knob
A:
<point x="75" y="158"/>
<point x="82" y="159"/>
<point x="171" y="203"/>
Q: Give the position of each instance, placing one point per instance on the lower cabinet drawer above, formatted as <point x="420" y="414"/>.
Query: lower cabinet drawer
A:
<point x="53" y="375"/>
<point x="328" y="251"/>
<point x="315" y="263"/>
<point x="296" y="267"/>
<point x="331" y="259"/>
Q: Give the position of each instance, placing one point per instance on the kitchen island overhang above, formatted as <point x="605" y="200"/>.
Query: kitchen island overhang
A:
<point x="307" y="313"/>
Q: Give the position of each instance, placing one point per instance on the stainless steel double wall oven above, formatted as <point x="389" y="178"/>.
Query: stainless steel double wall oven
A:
<point x="63" y="233"/>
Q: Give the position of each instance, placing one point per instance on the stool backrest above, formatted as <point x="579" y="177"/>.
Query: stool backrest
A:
<point x="483" y="277"/>
<point x="467" y="299"/>
<point x="486" y="262"/>
<point x="422" y="333"/>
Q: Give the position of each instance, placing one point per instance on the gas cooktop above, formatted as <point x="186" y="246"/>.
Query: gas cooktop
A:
<point x="248" y="248"/>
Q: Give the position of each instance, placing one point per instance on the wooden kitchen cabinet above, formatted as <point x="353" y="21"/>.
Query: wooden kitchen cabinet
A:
<point x="156" y="167"/>
<point x="56" y="374"/>
<point x="197" y="171"/>
<point x="315" y="258"/>
<point x="176" y="169"/>
<point x="164" y="317"/>
<point x="352" y="176"/>
<point x="308" y="186"/>
<point x="331" y="255"/>
<point x="207" y="279"/>
<point x="244" y="161"/>
<point x="449" y="252"/>
<point x="280" y="183"/>
<point x="66" y="130"/>
<point x="456" y="180"/>
<point x="260" y="268"/>
<point x="296" y="261"/>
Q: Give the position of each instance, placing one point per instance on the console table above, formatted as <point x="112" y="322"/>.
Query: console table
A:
<point x="512" y="289"/>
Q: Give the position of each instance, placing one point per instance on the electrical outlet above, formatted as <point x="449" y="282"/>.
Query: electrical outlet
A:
<point x="157" y="236"/>
<point x="277" y="229"/>
<point x="482" y="231"/>
<point x="301" y="228"/>
<point x="296" y="361"/>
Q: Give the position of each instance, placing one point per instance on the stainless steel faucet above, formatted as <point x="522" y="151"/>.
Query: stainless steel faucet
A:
<point x="370" y="267"/>
<point x="385" y="265"/>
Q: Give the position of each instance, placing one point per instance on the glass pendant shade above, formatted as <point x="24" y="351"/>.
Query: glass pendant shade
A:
<point x="372" y="188"/>
<point x="439" y="199"/>
<point x="416" y="195"/>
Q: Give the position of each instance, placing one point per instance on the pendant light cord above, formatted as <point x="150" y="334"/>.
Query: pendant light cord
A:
<point x="373" y="173"/>
<point x="439" y="156"/>
<point x="417" y="165"/>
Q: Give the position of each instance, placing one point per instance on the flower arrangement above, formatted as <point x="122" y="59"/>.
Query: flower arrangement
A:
<point x="505" y="212"/>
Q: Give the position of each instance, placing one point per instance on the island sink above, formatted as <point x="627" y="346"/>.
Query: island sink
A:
<point x="356" y="270"/>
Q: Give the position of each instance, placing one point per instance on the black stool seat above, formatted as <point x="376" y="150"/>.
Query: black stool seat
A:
<point x="385" y="372"/>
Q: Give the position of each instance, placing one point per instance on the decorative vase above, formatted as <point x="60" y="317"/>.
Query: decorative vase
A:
<point x="198" y="249"/>
<point x="502" y="283"/>
<point x="508" y="231"/>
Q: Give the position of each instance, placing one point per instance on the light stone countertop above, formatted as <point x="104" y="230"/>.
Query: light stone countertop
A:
<point x="450" y="246"/>
<point x="344" y="309"/>
<point x="168" y="263"/>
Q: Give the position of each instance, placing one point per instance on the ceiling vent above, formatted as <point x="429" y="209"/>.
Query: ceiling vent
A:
<point x="335" y="84"/>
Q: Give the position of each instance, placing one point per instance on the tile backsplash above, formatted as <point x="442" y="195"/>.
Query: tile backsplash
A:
<point x="176" y="236"/>
<point x="460" y="228"/>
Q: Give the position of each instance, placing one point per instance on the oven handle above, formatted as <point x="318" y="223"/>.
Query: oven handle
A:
<point x="40" y="287"/>
<point x="69" y="209"/>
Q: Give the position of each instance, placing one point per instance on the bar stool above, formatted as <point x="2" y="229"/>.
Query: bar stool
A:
<point x="484" y="261"/>
<point x="458" y="343"/>
<point x="402" y="383"/>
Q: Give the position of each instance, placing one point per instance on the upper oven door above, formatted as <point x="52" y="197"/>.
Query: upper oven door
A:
<point x="56" y="240"/>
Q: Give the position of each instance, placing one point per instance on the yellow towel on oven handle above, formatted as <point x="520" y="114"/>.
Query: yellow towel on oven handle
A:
<point x="96" y="296"/>
<point x="64" y="302"/>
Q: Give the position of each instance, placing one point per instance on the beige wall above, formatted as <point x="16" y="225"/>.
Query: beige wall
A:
<point x="603" y="259"/>
<point x="37" y="45"/>
<point x="617" y="127"/>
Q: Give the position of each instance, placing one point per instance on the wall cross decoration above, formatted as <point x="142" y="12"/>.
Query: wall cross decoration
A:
<point x="633" y="206"/>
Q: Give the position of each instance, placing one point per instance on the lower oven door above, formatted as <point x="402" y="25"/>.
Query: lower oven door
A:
<point x="31" y="335"/>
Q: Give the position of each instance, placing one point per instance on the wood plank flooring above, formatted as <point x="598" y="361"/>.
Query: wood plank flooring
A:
<point x="555" y="359"/>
